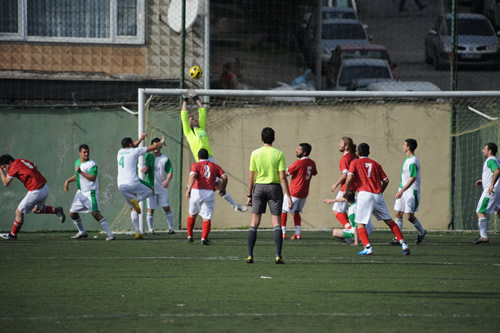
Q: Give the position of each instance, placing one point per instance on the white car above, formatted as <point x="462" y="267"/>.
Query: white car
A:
<point x="356" y="74"/>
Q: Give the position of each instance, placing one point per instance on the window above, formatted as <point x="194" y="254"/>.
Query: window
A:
<point x="78" y="21"/>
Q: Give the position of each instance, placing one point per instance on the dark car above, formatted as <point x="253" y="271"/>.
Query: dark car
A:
<point x="477" y="42"/>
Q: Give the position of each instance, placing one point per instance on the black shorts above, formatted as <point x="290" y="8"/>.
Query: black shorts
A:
<point x="271" y="194"/>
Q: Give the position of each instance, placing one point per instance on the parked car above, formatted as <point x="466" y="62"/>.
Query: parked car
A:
<point x="338" y="13"/>
<point x="359" y="69"/>
<point x="352" y="51"/>
<point x="341" y="4"/>
<point x="477" y="41"/>
<point x="403" y="86"/>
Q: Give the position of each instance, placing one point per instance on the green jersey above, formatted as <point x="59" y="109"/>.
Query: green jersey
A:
<point x="197" y="137"/>
<point x="267" y="162"/>
<point x="82" y="183"/>
<point x="149" y="161"/>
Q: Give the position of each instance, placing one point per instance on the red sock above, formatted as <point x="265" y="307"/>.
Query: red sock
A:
<point x="190" y="225"/>
<point x="363" y="236"/>
<point x="283" y="219"/>
<point x="395" y="230"/>
<point x="342" y="217"/>
<point x="297" y="219"/>
<point x="15" y="228"/>
<point x="205" y="227"/>
<point x="49" y="210"/>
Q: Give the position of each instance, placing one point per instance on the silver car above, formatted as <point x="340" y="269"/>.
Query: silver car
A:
<point x="477" y="42"/>
<point x="355" y="74"/>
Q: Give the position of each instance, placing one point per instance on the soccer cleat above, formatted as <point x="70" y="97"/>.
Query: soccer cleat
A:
<point x="190" y="239"/>
<point x="394" y="241"/>
<point x="299" y="237"/>
<point x="60" y="214"/>
<point x="420" y="237"/>
<point x="406" y="249"/>
<point x="8" y="236"/>
<point x="366" y="251"/>
<point x="240" y="208"/>
<point x="279" y="260"/>
<point x="284" y="236"/>
<point x="80" y="235"/>
<point x="171" y="232"/>
<point x="249" y="260"/>
<point x="296" y="237"/>
<point x="136" y="206"/>
<point x="152" y="232"/>
<point x="205" y="242"/>
<point x="138" y="236"/>
<point x="480" y="240"/>
<point x="110" y="238"/>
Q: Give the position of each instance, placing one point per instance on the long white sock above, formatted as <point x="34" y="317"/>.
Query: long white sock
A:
<point x="418" y="226"/>
<point x="105" y="226"/>
<point x="170" y="219"/>
<point x="283" y="229"/>
<point x="483" y="227"/>
<point x="135" y="221"/>
<point x="298" y="229"/>
<point x="399" y="222"/>
<point x="150" y="220"/>
<point x="79" y="225"/>
<point x="230" y="200"/>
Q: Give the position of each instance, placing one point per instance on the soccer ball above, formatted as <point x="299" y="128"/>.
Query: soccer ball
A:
<point x="195" y="72"/>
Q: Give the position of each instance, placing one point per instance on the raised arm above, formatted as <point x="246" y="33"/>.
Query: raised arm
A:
<point x="69" y="180"/>
<point x="6" y="180"/>
<point x="156" y="145"/>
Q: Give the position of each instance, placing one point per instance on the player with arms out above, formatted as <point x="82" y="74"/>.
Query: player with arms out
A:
<point x="159" y="172"/>
<point x="301" y="171"/>
<point x="408" y="195"/>
<point x="37" y="187"/>
<point x="197" y="138"/>
<point x="490" y="198"/>
<point x="131" y="187"/>
<point x="200" y="193"/>
<point x="87" y="195"/>
<point x="348" y="149"/>
<point x="371" y="182"/>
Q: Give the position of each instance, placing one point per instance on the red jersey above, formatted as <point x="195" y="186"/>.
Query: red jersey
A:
<point x="301" y="171"/>
<point x="344" y="163"/>
<point x="27" y="173"/>
<point x="206" y="174"/>
<point x="368" y="175"/>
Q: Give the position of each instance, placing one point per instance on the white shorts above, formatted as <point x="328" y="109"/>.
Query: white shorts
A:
<point x="34" y="199"/>
<point x="370" y="203"/>
<point x="298" y="204"/>
<point x="159" y="200"/>
<point x="85" y="202"/>
<point x="408" y="202"/>
<point x="340" y="207"/>
<point x="488" y="203"/>
<point x="202" y="203"/>
<point x="132" y="191"/>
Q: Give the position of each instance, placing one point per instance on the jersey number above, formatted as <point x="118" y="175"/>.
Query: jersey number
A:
<point x="368" y="167"/>
<point x="122" y="162"/>
<point x="309" y="172"/>
<point x="28" y="164"/>
<point x="207" y="171"/>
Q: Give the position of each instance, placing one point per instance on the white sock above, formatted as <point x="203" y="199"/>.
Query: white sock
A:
<point x="483" y="227"/>
<point x="230" y="200"/>
<point x="283" y="229"/>
<point x="79" y="225"/>
<point x="135" y="221"/>
<point x="170" y="220"/>
<point x="150" y="219"/>
<point x="105" y="226"/>
<point x="418" y="226"/>
<point x="399" y="222"/>
<point x="297" y="229"/>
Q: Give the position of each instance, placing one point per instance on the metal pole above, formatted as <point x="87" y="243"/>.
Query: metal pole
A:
<point x="140" y="131"/>
<point x="319" y="30"/>
<point x="206" y="66"/>
<point x="178" y="212"/>
<point x="453" y="117"/>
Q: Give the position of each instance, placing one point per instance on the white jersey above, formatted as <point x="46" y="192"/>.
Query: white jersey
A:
<point x="127" y="164"/>
<point x="83" y="184"/>
<point x="411" y="168"/>
<point x="490" y="165"/>
<point x="162" y="164"/>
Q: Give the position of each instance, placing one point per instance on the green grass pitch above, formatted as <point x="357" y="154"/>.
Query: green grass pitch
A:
<point x="51" y="283"/>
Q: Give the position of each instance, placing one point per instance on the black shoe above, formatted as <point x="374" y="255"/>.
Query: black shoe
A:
<point x="279" y="260"/>
<point x="8" y="236"/>
<point x="190" y="239"/>
<point x="171" y="232"/>
<point x="480" y="240"/>
<point x="205" y="242"/>
<point x="394" y="241"/>
<point x="420" y="237"/>
<point x="250" y="260"/>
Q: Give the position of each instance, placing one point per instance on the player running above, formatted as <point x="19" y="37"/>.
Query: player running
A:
<point x="301" y="171"/>
<point x="37" y="187"/>
<point x="371" y="181"/>
<point x="490" y="199"/>
<point x="197" y="137"/>
<point x="200" y="192"/>
<point x="159" y="172"/>
<point x="131" y="187"/>
<point x="87" y="195"/>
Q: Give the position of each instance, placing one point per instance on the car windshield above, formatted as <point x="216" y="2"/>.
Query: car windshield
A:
<point x="343" y="31"/>
<point x="337" y="3"/>
<point x="351" y="73"/>
<point x="374" y="54"/>
<point x="473" y="27"/>
<point x="338" y="15"/>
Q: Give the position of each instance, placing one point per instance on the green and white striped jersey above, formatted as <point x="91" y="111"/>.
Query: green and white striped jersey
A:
<point x="490" y="165"/>
<point x="411" y="168"/>
<point x="82" y="183"/>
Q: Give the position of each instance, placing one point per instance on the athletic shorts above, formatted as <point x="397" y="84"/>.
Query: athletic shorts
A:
<point x="34" y="199"/>
<point x="370" y="203"/>
<point x="202" y="203"/>
<point x="85" y="202"/>
<point x="340" y="207"/>
<point x="132" y="191"/>
<point x="267" y="194"/>
<point x="298" y="204"/>
<point x="408" y="202"/>
<point x="488" y="203"/>
<point x="159" y="200"/>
